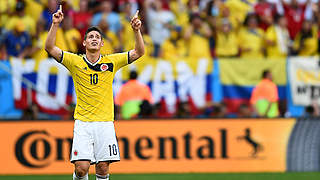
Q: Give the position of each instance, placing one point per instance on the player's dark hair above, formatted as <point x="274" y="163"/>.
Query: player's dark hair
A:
<point x="93" y="28"/>
<point x="265" y="74"/>
<point x="133" y="75"/>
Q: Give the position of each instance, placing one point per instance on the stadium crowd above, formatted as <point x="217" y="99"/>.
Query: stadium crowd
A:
<point x="250" y="29"/>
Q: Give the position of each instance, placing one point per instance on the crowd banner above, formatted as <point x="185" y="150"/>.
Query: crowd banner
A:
<point x="154" y="146"/>
<point x="239" y="77"/>
<point x="51" y="91"/>
<point x="304" y="79"/>
<point x="169" y="80"/>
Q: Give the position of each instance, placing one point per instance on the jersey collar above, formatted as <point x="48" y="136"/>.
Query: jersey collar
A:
<point x="93" y="64"/>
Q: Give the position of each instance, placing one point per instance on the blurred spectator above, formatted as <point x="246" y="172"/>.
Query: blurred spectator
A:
<point x="212" y="11"/>
<point x="3" y="52"/>
<point x="67" y="7"/>
<point x="34" y="9"/>
<point x="94" y="6"/>
<point x="196" y="36"/>
<point x="149" y="47"/>
<point x="47" y="13"/>
<point x="133" y="4"/>
<point x="251" y="39"/>
<point x="193" y="7"/>
<point x="159" y="21"/>
<point x="128" y="34"/>
<point x="29" y="22"/>
<point x="266" y="12"/>
<point x="146" y="109"/>
<point x="71" y="35"/>
<point x="213" y="8"/>
<point x="18" y="42"/>
<point x="214" y="110"/>
<point x="174" y="47"/>
<point x="219" y="110"/>
<point x="295" y="14"/>
<point x="183" y="110"/>
<point x="37" y="52"/>
<point x="106" y="14"/>
<point x="204" y="3"/>
<point x="130" y="96"/>
<point x="70" y="114"/>
<point x="6" y="10"/>
<point x="31" y="113"/>
<point x="82" y="18"/>
<point x="309" y="112"/>
<point x="244" y="111"/>
<point x="278" y="39"/>
<point x="312" y="110"/>
<point x="264" y="97"/>
<point x="206" y="111"/>
<point x="2" y="34"/>
<point x="306" y="41"/>
<point x="239" y="9"/>
<point x="227" y="42"/>
<point x="156" y="110"/>
<point x="110" y="40"/>
<point x="225" y="13"/>
<point x="180" y="11"/>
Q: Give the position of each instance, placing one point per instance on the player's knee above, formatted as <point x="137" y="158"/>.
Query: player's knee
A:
<point x="81" y="169"/>
<point x="102" y="168"/>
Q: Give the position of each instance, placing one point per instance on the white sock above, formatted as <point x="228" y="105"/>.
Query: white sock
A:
<point x="75" y="177"/>
<point x="100" y="177"/>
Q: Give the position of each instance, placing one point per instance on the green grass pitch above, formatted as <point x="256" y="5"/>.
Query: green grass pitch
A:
<point x="191" y="176"/>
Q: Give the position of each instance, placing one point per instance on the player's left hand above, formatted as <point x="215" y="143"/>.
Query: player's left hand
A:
<point x="136" y="22"/>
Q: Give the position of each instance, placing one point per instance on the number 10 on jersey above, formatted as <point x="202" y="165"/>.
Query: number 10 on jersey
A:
<point x="93" y="78"/>
<point x="113" y="150"/>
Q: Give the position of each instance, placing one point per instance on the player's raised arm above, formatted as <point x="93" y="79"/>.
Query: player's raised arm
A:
<point x="50" y="46"/>
<point x="138" y="50"/>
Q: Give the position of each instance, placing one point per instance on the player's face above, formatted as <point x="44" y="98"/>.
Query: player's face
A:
<point x="93" y="41"/>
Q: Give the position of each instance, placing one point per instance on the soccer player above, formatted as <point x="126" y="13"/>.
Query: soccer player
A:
<point x="94" y="139"/>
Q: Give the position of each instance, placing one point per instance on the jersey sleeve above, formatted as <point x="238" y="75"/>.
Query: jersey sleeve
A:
<point x="119" y="60"/>
<point x="68" y="59"/>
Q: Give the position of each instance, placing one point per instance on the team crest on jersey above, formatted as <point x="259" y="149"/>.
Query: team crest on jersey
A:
<point x="104" y="67"/>
<point x="100" y="67"/>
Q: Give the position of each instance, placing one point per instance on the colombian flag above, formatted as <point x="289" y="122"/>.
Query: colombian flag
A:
<point x="238" y="77"/>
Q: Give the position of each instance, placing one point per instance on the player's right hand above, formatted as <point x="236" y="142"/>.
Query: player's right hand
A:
<point x="58" y="16"/>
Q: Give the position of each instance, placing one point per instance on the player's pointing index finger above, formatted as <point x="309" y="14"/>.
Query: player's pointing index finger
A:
<point x="136" y="14"/>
